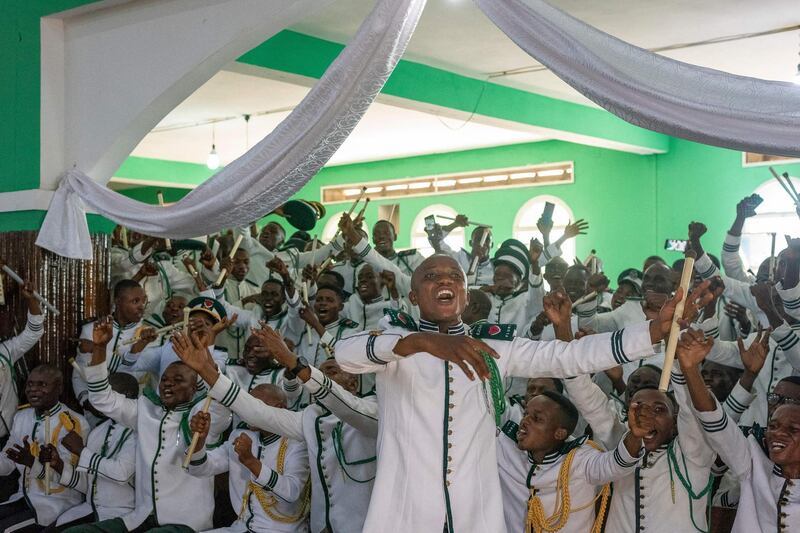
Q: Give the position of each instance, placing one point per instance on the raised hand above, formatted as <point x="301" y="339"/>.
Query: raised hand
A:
<point x="697" y="230"/>
<point x="73" y="442"/>
<point x="146" y="336"/>
<point x="21" y="453"/>
<point x="148" y="269"/>
<point x="558" y="308"/>
<point x="693" y="347"/>
<point x="218" y="328"/>
<point x="48" y="454"/>
<point x="280" y="268"/>
<point x="194" y="353"/>
<point x="349" y="231"/>
<point x="463" y="351"/>
<point x="598" y="282"/>
<point x="574" y="229"/>
<point x="738" y="313"/>
<point x="535" y="249"/>
<point x="207" y="259"/>
<point x="641" y="420"/>
<point x="309" y="274"/>
<point x="754" y="356"/>
<point x="200" y="424"/>
<point x="274" y="344"/>
<point x="243" y="446"/>
<point x="539" y="323"/>
<point x="103" y="331"/>
<point x="310" y="317"/>
<point x="27" y="290"/>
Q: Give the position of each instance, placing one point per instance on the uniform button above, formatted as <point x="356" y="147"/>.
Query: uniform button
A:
<point x="449" y="431"/>
<point x="451" y="392"/>
<point x="449" y="418"/>
<point x="449" y="471"/>
<point x="447" y="483"/>
<point x="449" y="458"/>
<point x="641" y="506"/>
<point x="449" y="444"/>
<point x="451" y="380"/>
<point x="451" y="406"/>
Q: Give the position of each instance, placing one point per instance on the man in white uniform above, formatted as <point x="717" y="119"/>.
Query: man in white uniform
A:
<point x="436" y="465"/>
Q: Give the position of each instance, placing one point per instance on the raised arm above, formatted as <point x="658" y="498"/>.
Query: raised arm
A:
<point x="17" y="346"/>
<point x="595" y="408"/>
<point x="110" y="403"/>
<point x="722" y="434"/>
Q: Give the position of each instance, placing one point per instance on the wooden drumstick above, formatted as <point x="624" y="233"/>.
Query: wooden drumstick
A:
<point x="160" y="195"/>
<point x="585" y="298"/>
<point x="675" y="329"/>
<point x="47" y="466"/>
<point x="304" y="288"/>
<point x="13" y="275"/>
<point x="123" y="234"/>
<point x="474" y="264"/>
<point x="350" y="211"/>
<point x="772" y="259"/>
<point x="224" y="271"/>
<point x="196" y="436"/>
<point x="469" y="222"/>
<point x="314" y="251"/>
<point x="76" y="367"/>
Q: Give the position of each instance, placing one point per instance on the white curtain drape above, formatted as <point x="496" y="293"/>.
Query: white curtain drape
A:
<point x="270" y="172"/>
<point x="653" y="91"/>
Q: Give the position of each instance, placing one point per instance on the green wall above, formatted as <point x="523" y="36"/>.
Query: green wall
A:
<point x="632" y="202"/>
<point x="704" y="183"/>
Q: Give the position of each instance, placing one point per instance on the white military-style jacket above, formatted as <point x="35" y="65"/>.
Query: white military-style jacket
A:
<point x="247" y="381"/>
<point x="270" y="501"/>
<point x="104" y="473"/>
<point x="768" y="501"/>
<point x="163" y="488"/>
<point x="233" y="338"/>
<point x="11" y="351"/>
<point x="339" y="431"/>
<point x="521" y="477"/>
<point x="32" y="480"/>
<point x="437" y="450"/>
<point x="654" y="497"/>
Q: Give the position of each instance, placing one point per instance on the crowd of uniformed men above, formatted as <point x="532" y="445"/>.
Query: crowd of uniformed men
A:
<point x="250" y="383"/>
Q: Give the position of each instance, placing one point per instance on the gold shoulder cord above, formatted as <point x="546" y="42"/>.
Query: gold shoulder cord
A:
<point x="68" y="423"/>
<point x="268" y="501"/>
<point x="537" y="522"/>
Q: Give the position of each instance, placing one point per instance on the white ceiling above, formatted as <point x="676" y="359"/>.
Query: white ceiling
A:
<point x="455" y="35"/>
<point x="386" y="131"/>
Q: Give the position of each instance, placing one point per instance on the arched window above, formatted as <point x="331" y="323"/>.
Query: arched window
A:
<point x="776" y="214"/>
<point x="419" y="239"/>
<point x="333" y="224"/>
<point x="525" y="223"/>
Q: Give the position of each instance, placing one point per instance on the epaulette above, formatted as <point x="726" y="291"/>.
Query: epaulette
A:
<point x="510" y="428"/>
<point x="253" y="283"/>
<point x="406" y="253"/>
<point x="23" y="406"/>
<point x="570" y="445"/>
<point x="401" y="319"/>
<point x="758" y="432"/>
<point x="151" y="395"/>
<point x="495" y="332"/>
<point x="347" y="323"/>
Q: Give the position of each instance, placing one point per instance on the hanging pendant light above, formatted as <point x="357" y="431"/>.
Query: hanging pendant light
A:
<point x="213" y="157"/>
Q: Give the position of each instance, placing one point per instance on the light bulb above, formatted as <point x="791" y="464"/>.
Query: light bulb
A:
<point x="213" y="159"/>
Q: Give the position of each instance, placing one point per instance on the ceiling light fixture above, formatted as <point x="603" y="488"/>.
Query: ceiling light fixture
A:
<point x="445" y="183"/>
<point x="213" y="157"/>
<point x="419" y="185"/>
<point x="352" y="192"/>
<point x="466" y="181"/>
<point x="373" y="190"/>
<point x="495" y="179"/>
<point x="397" y="187"/>
<point x="523" y="175"/>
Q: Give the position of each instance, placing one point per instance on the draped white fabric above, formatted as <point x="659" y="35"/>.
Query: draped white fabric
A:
<point x="270" y="172"/>
<point x="653" y="91"/>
